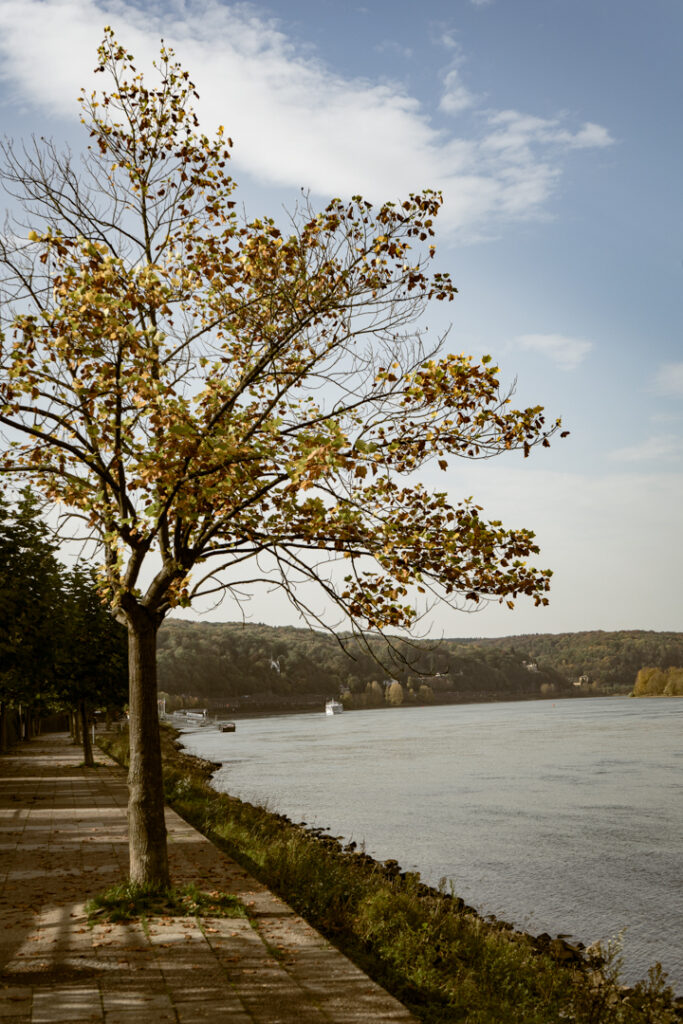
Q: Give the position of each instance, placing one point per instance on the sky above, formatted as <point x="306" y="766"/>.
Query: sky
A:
<point x="553" y="129"/>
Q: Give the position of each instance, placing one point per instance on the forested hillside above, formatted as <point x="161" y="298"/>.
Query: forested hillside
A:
<point x="610" y="660"/>
<point x="229" y="661"/>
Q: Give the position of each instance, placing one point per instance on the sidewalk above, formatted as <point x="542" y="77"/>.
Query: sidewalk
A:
<point x="63" y="839"/>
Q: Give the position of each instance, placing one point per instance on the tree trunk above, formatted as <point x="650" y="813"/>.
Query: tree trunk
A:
<point x="3" y="728"/>
<point x="146" y="824"/>
<point x="76" y="724"/>
<point x="87" y="745"/>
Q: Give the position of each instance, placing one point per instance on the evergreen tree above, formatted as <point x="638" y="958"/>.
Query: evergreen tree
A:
<point x="30" y="589"/>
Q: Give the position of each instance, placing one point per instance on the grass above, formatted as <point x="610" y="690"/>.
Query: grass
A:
<point x="127" y="901"/>
<point x="426" y="946"/>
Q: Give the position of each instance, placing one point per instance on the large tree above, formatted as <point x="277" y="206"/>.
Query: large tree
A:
<point x="223" y="402"/>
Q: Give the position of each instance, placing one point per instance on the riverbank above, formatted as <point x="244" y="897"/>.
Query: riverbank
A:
<point x="427" y="947"/>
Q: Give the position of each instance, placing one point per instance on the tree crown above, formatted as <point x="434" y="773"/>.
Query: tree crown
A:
<point x="196" y="385"/>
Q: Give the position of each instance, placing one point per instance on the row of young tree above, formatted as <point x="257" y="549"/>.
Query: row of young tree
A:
<point x="60" y="649"/>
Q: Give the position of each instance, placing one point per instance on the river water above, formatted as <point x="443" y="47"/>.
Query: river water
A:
<point x="563" y="817"/>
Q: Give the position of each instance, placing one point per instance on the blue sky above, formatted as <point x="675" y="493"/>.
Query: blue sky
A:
<point x="553" y="128"/>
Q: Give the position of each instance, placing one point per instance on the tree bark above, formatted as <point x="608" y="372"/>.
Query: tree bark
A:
<point x="87" y="745"/>
<point x="146" y="824"/>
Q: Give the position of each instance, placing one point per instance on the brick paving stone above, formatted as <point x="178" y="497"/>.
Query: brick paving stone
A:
<point x="63" y="839"/>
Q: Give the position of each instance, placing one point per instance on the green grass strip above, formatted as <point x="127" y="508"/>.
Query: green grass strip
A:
<point x="127" y="901"/>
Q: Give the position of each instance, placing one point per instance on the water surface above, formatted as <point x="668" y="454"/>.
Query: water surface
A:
<point x="563" y="817"/>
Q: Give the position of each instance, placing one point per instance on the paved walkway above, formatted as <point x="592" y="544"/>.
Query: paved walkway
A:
<point x="63" y="839"/>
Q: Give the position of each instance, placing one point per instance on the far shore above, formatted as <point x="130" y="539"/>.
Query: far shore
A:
<point x="270" y="710"/>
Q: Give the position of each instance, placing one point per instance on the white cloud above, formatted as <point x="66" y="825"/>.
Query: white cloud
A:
<point x="516" y="134"/>
<point x="391" y="46"/>
<point x="664" y="446"/>
<point x="589" y="135"/>
<point x="456" y="97"/>
<point x="447" y="39"/>
<point x="566" y="352"/>
<point x="669" y="380"/>
<point x="294" y="120"/>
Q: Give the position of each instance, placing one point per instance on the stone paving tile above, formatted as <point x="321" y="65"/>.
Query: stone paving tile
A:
<point x="133" y="1017"/>
<point x="212" y="1013"/>
<point x="15" y="1003"/>
<point x="129" y="999"/>
<point x="63" y="838"/>
<point x="66" y="1003"/>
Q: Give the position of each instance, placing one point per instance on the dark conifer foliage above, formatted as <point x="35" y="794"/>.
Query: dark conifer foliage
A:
<point x="60" y="649"/>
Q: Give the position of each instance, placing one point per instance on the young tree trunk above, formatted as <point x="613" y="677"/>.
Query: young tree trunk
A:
<point x="27" y="725"/>
<point x="3" y="728"/>
<point x="76" y="727"/>
<point x="146" y="824"/>
<point x="85" y="732"/>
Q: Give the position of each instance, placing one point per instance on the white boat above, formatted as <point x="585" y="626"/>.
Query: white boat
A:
<point x="334" y="707"/>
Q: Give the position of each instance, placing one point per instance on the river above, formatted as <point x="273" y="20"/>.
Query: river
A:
<point x="565" y="816"/>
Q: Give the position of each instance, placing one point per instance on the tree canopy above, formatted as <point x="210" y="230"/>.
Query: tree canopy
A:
<point x="659" y="682"/>
<point x="223" y="402"/>
<point x="202" y="386"/>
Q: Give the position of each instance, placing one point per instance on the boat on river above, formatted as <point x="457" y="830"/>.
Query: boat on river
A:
<point x="334" y="707"/>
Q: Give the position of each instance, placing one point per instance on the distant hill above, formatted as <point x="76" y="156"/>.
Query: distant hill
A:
<point x="259" y="664"/>
<point x="609" y="659"/>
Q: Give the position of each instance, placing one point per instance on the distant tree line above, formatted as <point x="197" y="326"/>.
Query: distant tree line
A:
<point x="659" y="682"/>
<point x="60" y="650"/>
<point x="609" y="661"/>
<point x="229" y="661"/>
